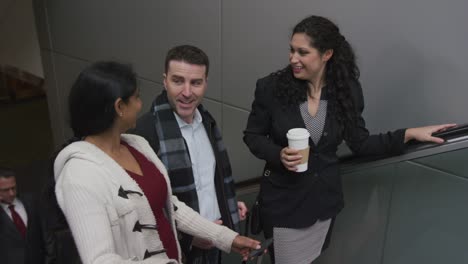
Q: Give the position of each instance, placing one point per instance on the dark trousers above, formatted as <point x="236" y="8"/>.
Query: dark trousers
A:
<point x="200" y="256"/>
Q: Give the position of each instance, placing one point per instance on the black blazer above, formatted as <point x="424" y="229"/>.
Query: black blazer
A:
<point x="13" y="248"/>
<point x="297" y="200"/>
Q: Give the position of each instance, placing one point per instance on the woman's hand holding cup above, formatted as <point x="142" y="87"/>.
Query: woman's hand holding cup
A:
<point x="290" y="158"/>
<point x="296" y="156"/>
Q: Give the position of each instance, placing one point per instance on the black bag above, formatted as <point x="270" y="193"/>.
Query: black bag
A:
<point x="59" y="243"/>
<point x="256" y="221"/>
<point x="60" y="246"/>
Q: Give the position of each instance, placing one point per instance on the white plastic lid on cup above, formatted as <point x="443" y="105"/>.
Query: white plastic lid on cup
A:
<point x="298" y="134"/>
<point x="298" y="138"/>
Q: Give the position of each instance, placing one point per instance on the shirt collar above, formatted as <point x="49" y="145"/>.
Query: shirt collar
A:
<point x="197" y="119"/>
<point x="5" y="206"/>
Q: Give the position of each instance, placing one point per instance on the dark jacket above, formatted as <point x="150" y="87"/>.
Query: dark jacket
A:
<point x="14" y="249"/>
<point x="297" y="200"/>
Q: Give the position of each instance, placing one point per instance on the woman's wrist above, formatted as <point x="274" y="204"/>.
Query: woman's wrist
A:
<point x="409" y="135"/>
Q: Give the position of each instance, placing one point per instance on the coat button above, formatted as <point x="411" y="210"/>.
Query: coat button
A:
<point x="325" y="134"/>
<point x="316" y="174"/>
<point x="266" y="173"/>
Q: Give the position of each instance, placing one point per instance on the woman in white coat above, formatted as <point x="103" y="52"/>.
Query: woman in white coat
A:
<point x="113" y="189"/>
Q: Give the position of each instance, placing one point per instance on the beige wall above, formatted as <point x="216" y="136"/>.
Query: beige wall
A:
<point x="19" y="46"/>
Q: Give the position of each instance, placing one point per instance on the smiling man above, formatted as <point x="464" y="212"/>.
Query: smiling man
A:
<point x="186" y="138"/>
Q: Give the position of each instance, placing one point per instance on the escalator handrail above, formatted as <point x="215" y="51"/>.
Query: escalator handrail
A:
<point x="455" y="138"/>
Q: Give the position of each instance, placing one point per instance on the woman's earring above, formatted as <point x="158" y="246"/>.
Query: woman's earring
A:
<point x="120" y="114"/>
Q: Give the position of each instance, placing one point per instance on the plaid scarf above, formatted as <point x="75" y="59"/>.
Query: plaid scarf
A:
<point x="174" y="154"/>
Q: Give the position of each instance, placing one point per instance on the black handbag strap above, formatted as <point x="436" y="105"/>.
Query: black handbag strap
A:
<point x="247" y="224"/>
<point x="246" y="229"/>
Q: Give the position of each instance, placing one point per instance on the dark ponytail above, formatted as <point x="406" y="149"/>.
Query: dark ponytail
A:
<point x="340" y="74"/>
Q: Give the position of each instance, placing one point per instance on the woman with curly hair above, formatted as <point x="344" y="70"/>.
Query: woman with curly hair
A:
<point x="320" y="91"/>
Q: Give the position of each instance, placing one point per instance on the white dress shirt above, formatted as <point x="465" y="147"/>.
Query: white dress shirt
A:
<point x="19" y="208"/>
<point x="203" y="165"/>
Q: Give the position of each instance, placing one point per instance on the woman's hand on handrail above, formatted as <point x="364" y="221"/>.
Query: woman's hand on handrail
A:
<point x="424" y="134"/>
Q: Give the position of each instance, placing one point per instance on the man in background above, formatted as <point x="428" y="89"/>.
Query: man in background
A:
<point x="20" y="228"/>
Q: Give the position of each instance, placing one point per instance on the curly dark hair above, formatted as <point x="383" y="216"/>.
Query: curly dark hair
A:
<point x="341" y="70"/>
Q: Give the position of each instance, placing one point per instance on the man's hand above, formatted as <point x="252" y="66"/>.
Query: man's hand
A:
<point x="243" y="245"/>
<point x="202" y="243"/>
<point x="242" y="210"/>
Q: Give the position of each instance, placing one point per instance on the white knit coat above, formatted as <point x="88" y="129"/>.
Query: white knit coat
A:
<point x="102" y="222"/>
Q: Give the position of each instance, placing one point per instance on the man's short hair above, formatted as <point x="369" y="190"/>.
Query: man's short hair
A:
<point x="6" y="172"/>
<point x="189" y="54"/>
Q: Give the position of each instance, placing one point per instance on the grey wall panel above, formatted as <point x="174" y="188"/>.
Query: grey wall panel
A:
<point x="407" y="51"/>
<point x="359" y="232"/>
<point x="148" y="92"/>
<point x="53" y="97"/>
<point x="428" y="217"/>
<point x="67" y="70"/>
<point x="244" y="165"/>
<point x="140" y="33"/>
<point x="254" y="43"/>
<point x="411" y="69"/>
<point x="164" y="24"/>
<point x="42" y="26"/>
<point x="94" y="30"/>
<point x="216" y="110"/>
<point x="256" y="39"/>
<point x="455" y="162"/>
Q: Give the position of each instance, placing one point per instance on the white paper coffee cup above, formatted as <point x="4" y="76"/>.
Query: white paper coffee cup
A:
<point x="298" y="138"/>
